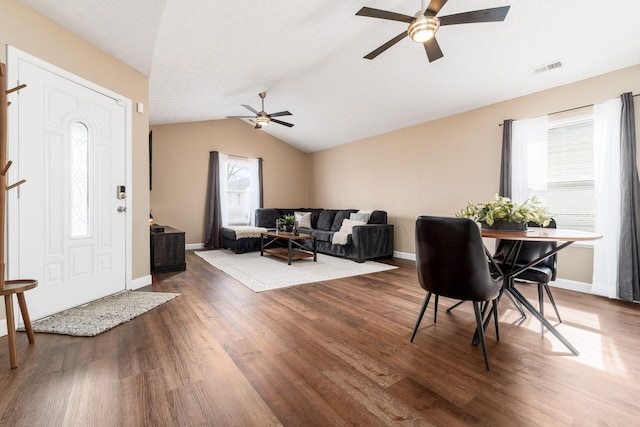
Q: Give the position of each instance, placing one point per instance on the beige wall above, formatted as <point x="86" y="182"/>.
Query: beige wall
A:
<point x="436" y="167"/>
<point x="30" y="32"/>
<point x="181" y="161"/>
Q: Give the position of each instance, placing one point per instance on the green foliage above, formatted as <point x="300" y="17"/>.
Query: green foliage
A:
<point x="289" y="219"/>
<point x="504" y="209"/>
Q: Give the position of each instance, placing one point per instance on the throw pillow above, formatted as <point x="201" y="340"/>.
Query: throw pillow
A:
<point x="347" y="225"/>
<point x="303" y="219"/>
<point x="360" y="216"/>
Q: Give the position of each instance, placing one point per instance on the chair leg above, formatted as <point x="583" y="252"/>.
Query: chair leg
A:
<point x="435" y="310"/>
<point x="455" y="305"/>
<point x="422" y="310"/>
<point x="553" y="302"/>
<point x="11" y="331"/>
<point x="495" y="318"/>
<point x="480" y="329"/>
<point x="25" y="317"/>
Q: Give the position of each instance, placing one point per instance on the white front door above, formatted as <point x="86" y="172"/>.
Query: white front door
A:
<point x="71" y="223"/>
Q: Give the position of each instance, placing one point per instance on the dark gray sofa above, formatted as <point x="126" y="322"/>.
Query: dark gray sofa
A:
<point x="370" y="241"/>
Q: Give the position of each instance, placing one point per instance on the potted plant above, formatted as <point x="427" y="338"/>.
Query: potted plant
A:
<point x="502" y="213"/>
<point x="288" y="221"/>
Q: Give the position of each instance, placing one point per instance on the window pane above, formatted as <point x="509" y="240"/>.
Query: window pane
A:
<point x="79" y="170"/>
<point x="238" y="192"/>
<point x="570" y="190"/>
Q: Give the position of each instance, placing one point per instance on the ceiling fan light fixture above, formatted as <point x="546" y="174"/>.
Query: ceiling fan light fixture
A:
<point x="423" y="28"/>
<point x="262" y="120"/>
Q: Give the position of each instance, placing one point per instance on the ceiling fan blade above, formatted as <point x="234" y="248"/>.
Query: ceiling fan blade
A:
<point x="240" y="117"/>
<point x="280" y="122"/>
<point x="434" y="7"/>
<point x="433" y="49"/>
<point x="495" y="14"/>
<point x="281" y="113"/>
<point x="250" y="108"/>
<point x="387" y="45"/>
<point x="384" y="14"/>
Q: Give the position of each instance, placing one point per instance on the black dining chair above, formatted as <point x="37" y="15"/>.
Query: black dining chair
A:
<point x="509" y="258"/>
<point x="451" y="262"/>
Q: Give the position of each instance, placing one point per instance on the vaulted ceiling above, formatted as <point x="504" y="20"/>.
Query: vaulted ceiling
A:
<point x="206" y="57"/>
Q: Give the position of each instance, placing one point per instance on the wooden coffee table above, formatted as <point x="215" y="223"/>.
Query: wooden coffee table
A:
<point x="294" y="249"/>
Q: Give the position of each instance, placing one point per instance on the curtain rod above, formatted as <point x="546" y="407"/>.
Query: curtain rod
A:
<point x="243" y="157"/>
<point x="571" y="109"/>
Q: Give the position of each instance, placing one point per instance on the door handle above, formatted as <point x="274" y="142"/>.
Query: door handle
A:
<point x="122" y="209"/>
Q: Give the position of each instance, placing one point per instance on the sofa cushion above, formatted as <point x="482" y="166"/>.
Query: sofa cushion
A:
<point x="341" y="216"/>
<point x="325" y="220"/>
<point x="315" y="214"/>
<point x="302" y="230"/>
<point x="323" y="235"/>
<point x="303" y="219"/>
<point x="267" y="217"/>
<point x="378" y="217"/>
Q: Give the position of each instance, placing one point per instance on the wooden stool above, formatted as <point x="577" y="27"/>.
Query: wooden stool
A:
<point x="17" y="287"/>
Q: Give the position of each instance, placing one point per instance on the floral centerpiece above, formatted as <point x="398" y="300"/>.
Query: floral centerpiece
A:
<point x="503" y="213"/>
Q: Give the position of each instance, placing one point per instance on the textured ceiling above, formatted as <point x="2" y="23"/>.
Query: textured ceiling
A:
<point x="206" y="57"/>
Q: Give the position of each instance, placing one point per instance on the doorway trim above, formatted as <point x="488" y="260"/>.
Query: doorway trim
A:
<point x="14" y="56"/>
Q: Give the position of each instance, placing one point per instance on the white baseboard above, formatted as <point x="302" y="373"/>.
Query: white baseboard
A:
<point x="404" y="255"/>
<point x="192" y="246"/>
<point x="572" y="285"/>
<point x="141" y="282"/>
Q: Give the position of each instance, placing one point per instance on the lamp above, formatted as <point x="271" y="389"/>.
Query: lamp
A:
<point x="423" y="28"/>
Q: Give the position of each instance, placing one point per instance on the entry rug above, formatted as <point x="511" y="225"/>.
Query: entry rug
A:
<point x="98" y="316"/>
<point x="264" y="273"/>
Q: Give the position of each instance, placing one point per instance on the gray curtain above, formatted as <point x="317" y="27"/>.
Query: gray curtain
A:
<point x="260" y="161"/>
<point x="629" y="257"/>
<point x="505" y="162"/>
<point x="213" y="215"/>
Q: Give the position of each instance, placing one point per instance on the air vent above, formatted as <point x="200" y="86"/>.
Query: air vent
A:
<point x="548" y="67"/>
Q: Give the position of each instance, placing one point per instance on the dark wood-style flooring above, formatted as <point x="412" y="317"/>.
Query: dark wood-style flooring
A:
<point x="327" y="354"/>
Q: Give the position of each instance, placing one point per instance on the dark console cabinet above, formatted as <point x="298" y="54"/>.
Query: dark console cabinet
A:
<point x="167" y="250"/>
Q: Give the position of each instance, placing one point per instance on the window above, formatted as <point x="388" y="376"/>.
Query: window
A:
<point x="560" y="169"/>
<point x="238" y="178"/>
<point x="240" y="189"/>
<point x="79" y="183"/>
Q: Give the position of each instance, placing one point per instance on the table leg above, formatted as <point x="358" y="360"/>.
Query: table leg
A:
<point x="519" y="297"/>
<point x="11" y="331"/>
<point x="289" y="253"/>
<point x="315" y="252"/>
<point x="541" y="305"/>
<point x="25" y="317"/>
<point x="261" y="245"/>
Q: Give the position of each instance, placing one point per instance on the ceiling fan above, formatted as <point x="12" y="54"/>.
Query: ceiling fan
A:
<point x="261" y="118"/>
<point x="424" y="24"/>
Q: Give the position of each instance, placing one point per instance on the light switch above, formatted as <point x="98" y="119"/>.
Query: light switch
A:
<point x="140" y="107"/>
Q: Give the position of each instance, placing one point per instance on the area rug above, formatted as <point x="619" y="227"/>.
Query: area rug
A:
<point x="101" y="315"/>
<point x="264" y="273"/>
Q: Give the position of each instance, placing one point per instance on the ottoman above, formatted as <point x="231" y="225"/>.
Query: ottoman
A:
<point x="241" y="239"/>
